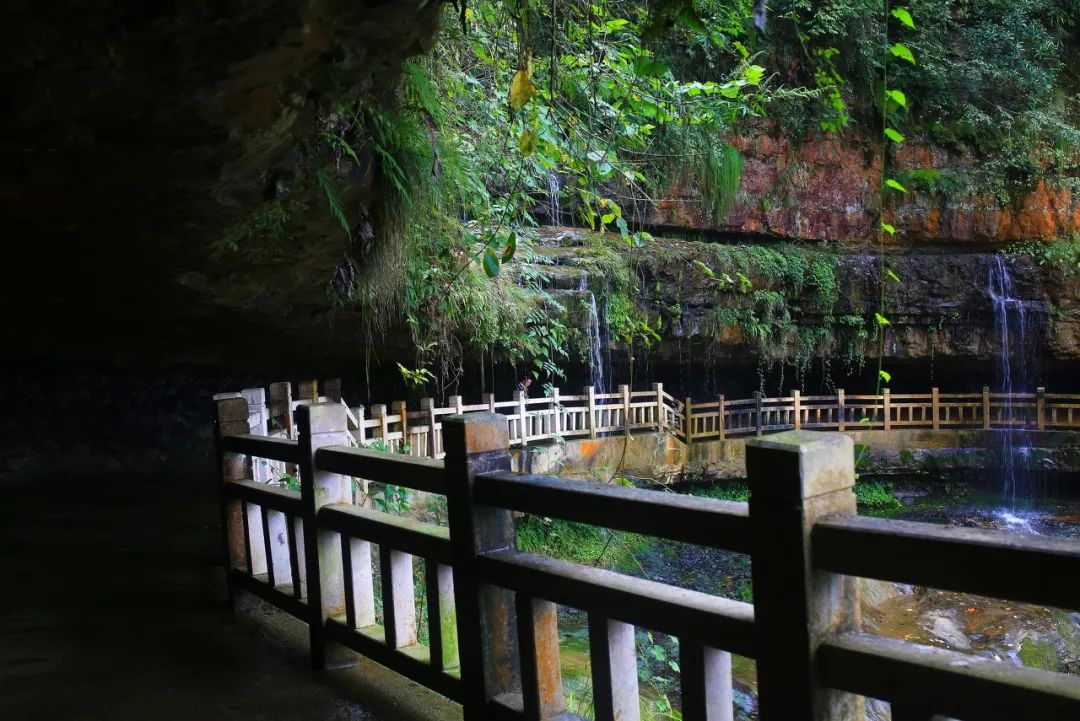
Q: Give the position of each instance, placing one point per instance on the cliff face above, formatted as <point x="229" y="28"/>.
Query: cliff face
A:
<point x="160" y="196"/>
<point x="804" y="314"/>
<point x="826" y="189"/>
<point x="142" y="140"/>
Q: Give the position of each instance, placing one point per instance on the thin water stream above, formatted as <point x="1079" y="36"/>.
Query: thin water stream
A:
<point x="1018" y="328"/>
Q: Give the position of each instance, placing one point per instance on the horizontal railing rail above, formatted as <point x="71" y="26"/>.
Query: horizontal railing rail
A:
<point x="1027" y="569"/>
<point x="672" y="516"/>
<point x="269" y="447"/>
<point x="421" y="474"/>
<point x="924" y="683"/>
<point x="490" y="609"/>
<point x="688" y="615"/>
<point x="266" y="544"/>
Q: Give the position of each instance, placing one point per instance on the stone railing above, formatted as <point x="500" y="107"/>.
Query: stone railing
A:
<point x="418" y="432"/>
<point x="491" y="608"/>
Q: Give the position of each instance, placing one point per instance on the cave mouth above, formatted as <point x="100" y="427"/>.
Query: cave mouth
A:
<point x="434" y="202"/>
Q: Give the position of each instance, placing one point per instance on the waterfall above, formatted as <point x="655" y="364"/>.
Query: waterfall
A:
<point x="595" y="339"/>
<point x="1018" y="326"/>
<point x="554" y="213"/>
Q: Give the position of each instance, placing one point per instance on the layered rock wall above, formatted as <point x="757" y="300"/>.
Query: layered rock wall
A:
<point x="826" y="188"/>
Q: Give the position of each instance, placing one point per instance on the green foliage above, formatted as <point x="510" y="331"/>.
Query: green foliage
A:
<point x="720" y="169"/>
<point x="266" y="225"/>
<point x="934" y="182"/>
<point x="332" y="200"/>
<point x="987" y="75"/>
<point x="1063" y="255"/>
<point x="876" y="495"/>
<point x="415" y="377"/>
<point x="578" y="542"/>
<point x="724" y="491"/>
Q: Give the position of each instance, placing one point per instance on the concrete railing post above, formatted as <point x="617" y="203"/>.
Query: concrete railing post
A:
<point x="886" y="408"/>
<point x="935" y="409"/>
<point x="522" y="410"/>
<point x="231" y="419"/>
<point x="361" y="429"/>
<point x="280" y="405"/>
<point x="624" y="391"/>
<point x="796" y="407"/>
<point x="797" y="478"/>
<point x="658" y="389"/>
<point x="721" y="421"/>
<point x="986" y="407"/>
<point x="378" y="413"/>
<point x="1040" y="408"/>
<point x="332" y="389"/>
<point x="487" y="636"/>
<point x="488" y="399"/>
<point x="258" y="417"/>
<point x="841" y="412"/>
<point x="308" y="391"/>
<point x="456" y="403"/>
<point x="427" y="406"/>
<point x="556" y="412"/>
<point x="401" y="410"/>
<point x="757" y="412"/>
<point x="320" y="425"/>
<point x="590" y="394"/>
<point x="688" y="419"/>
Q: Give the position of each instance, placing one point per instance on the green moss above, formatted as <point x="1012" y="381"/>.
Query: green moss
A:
<point x="876" y="495"/>
<point x="724" y="491"/>
<point x="1039" y="654"/>
<point x="578" y="542"/>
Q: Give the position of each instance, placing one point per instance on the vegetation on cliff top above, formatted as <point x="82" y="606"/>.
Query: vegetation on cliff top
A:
<point x="589" y="111"/>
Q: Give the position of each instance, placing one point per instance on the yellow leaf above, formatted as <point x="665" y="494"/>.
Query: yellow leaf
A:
<point x="527" y="142"/>
<point x="521" y="87"/>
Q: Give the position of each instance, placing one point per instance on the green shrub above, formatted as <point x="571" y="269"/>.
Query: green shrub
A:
<point x="876" y="495"/>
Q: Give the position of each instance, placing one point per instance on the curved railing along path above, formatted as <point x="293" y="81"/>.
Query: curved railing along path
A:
<point x="590" y="414"/>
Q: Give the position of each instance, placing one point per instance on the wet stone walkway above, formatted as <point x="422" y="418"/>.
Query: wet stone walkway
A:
<point x="112" y="609"/>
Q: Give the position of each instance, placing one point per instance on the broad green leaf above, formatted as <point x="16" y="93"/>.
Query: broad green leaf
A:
<point x="742" y="49"/>
<point x="754" y="74"/>
<point x="897" y="96"/>
<point x="730" y="89"/>
<point x="888" y="229"/>
<point x="881" y="320"/>
<point x="884" y="375"/>
<point x="901" y="51"/>
<point x="521" y="87"/>
<point x="491" y="263"/>
<point x="893" y="135"/>
<point x="704" y="268"/>
<point x="904" y="16"/>
<point x="511" y="248"/>
<point x="607" y="218"/>
<point x="527" y="142"/>
<point x="891" y="275"/>
<point x="895" y="185"/>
